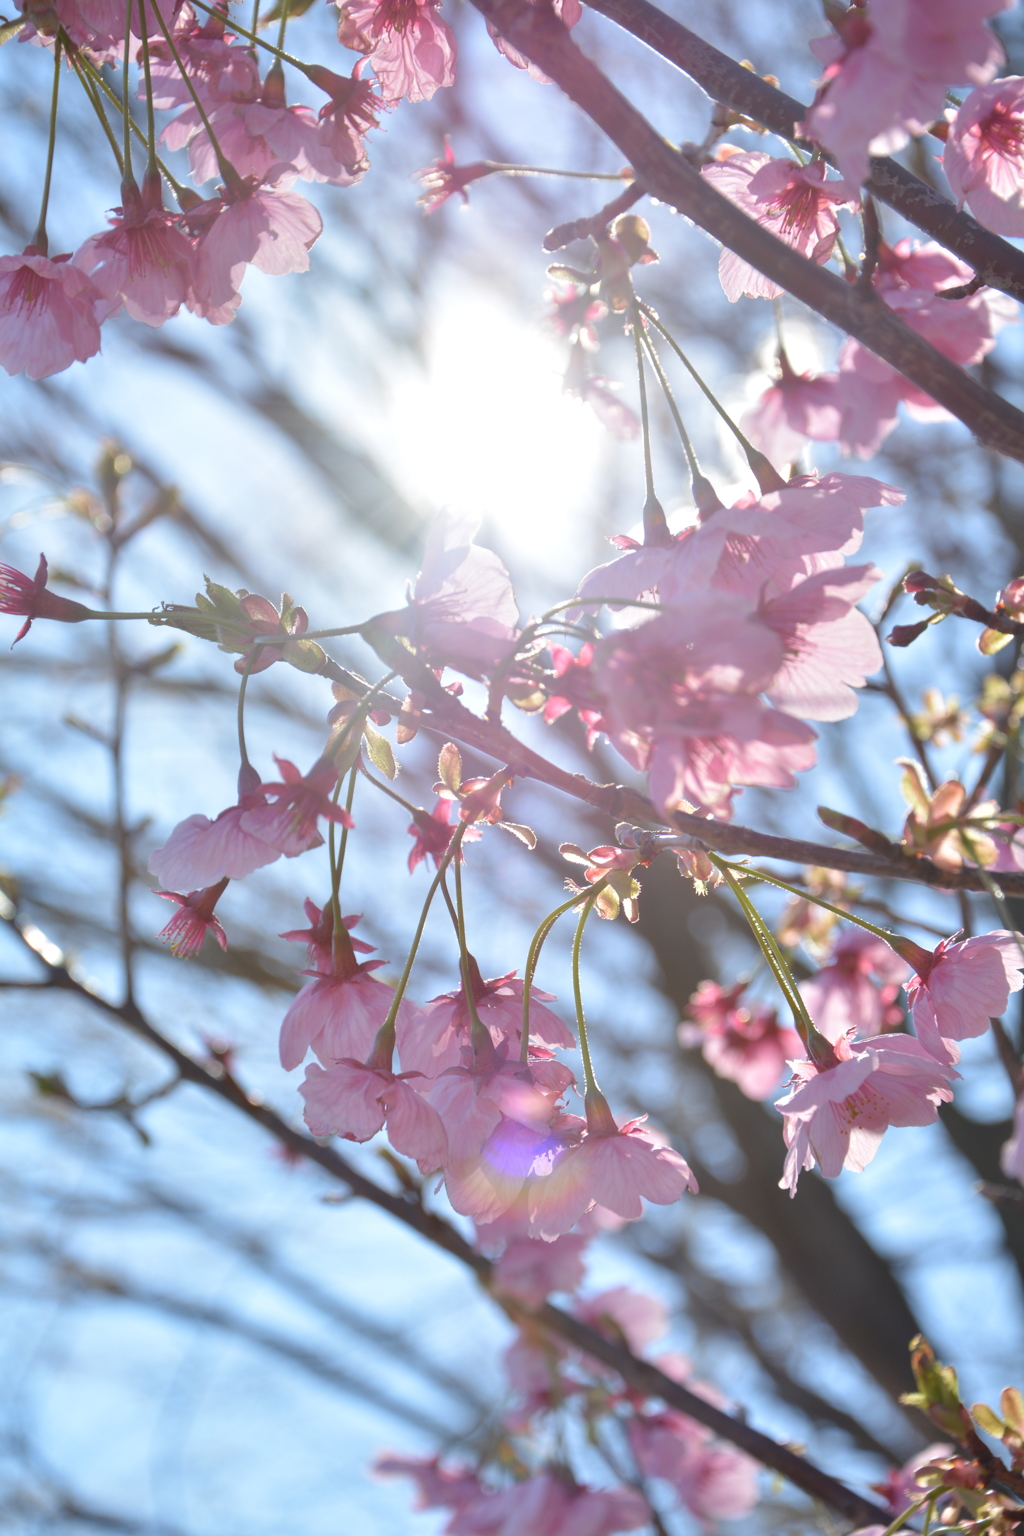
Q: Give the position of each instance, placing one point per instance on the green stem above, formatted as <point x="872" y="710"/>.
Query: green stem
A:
<point x="285" y="8"/>
<point x="414" y="810"/>
<point x="338" y="863"/>
<point x="760" y="466"/>
<point x="255" y="24"/>
<point x="703" y="490"/>
<point x="90" y="90"/>
<point x="240" y="713"/>
<point x="603" y="602"/>
<point x="644" y="421"/>
<point x="39" y="239"/>
<point x="101" y="84"/>
<point x="477" y="1028"/>
<point x="776" y="961"/>
<point x="126" y="110"/>
<point x="452" y="851"/>
<point x="232" y="180"/>
<point x="819" y="901"/>
<point x="533" y="956"/>
<point x="152" y="168"/>
<point x="590" y="1081"/>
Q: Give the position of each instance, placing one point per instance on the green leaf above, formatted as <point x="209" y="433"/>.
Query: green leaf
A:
<point x="378" y="750"/>
<point x="524" y="834"/>
<point x="990" y="1422"/>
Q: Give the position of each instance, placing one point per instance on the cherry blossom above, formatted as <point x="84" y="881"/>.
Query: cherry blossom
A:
<point x="216" y="65"/>
<point x="612" y="1166"/>
<point x="319" y="936"/>
<point x="857" y="991"/>
<point x="200" y="851"/>
<point x="338" y="1012"/>
<point x="407" y="45"/>
<point x="28" y="597"/>
<point x="624" y="1315"/>
<point x="270" y="228"/>
<point x="959" y="986"/>
<point x="795" y="202"/>
<point x="47" y="314"/>
<point x="345" y="120"/>
<point x="830" y="647"/>
<point x="444" y="179"/>
<point x="551" y="1504"/>
<point x="744" y="1043"/>
<point x="887" y="71"/>
<point x="355" y="1101"/>
<point x="568" y="13"/>
<point x="984" y="155"/>
<point x="440" y="1031"/>
<point x="289" y="825"/>
<point x="432" y="832"/>
<point x="796" y="407"/>
<point x="713" y="1481"/>
<point x="143" y="263"/>
<point x="194" y="919"/>
<point x="530" y="1269"/>
<point x="842" y="1105"/>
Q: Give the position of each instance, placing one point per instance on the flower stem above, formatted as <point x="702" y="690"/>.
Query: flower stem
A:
<point x="285" y="8"/>
<point x="338" y="863"/>
<point x="768" y="478"/>
<point x="152" y="170"/>
<point x="703" y="491"/>
<point x="477" y="1028"/>
<point x="101" y="84"/>
<point x="644" y="420"/>
<point x="39" y="239"/>
<point x="232" y="180"/>
<point x="590" y="1081"/>
<point x="88" y="86"/>
<point x="452" y="850"/>
<point x="772" y="953"/>
<point x="533" y="956"/>
<point x="127" y="174"/>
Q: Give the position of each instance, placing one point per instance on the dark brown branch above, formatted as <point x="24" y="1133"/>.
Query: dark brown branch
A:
<point x="667" y="175"/>
<point x="640" y="1374"/>
<point x="997" y="263"/>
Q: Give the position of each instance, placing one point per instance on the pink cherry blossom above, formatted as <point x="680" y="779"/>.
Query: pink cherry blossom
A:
<point x="29" y="598"/>
<point x="345" y="120"/>
<point x="1011" y="1156"/>
<point x="600" y="393"/>
<point x="289" y="825"/>
<point x="145" y="262"/>
<point x="624" y="1315"/>
<point x="530" y="1270"/>
<point x="959" y="987"/>
<point x="444" y="179"/>
<point x="216" y="64"/>
<point x="319" y="936"/>
<point x="713" y="1481"/>
<point x="407" y="45"/>
<point x="462" y="612"/>
<point x="984" y="155"/>
<point x="857" y="991"/>
<point x="441" y="1030"/>
<point x="838" y="1112"/>
<point x="437" y="1488"/>
<point x="200" y="852"/>
<point x="796" y="407"/>
<point x="743" y="1043"/>
<point x="568" y="13"/>
<point x="338" y="1014"/>
<point x="550" y="1504"/>
<point x="611" y="1166"/>
<point x="267" y="227"/>
<point x="830" y="647"/>
<point x="901" y="1488"/>
<point x="887" y="72"/>
<point x="194" y="920"/>
<point x="433" y="832"/>
<point x="47" y="314"/>
<point x="355" y="1101"/>
<point x="795" y="202"/>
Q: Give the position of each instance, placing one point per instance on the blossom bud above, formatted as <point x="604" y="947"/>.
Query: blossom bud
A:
<point x="906" y="634"/>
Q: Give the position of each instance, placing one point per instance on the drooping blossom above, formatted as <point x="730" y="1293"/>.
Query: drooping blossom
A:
<point x="625" y="1315"/>
<point x="796" y="407"/>
<point x="432" y="832"/>
<point x="942" y="826"/>
<point x="959" y="987"/>
<point x="346" y="118"/>
<point x="319" y="936"/>
<point x="436" y="1487"/>
<point x="28" y="597"/>
<point x="611" y="1165"/>
<point x="682" y="702"/>
<point x="462" y="611"/>
<point x="841" y="1107"/>
<point x="289" y="824"/>
<point x="143" y="263"/>
<point x="444" y="179"/>
<point x="552" y="1504"/>
<point x="614" y="414"/>
<point x="338" y="1012"/>
<point x="742" y="1042"/>
<point x="574" y="313"/>
<point x="194" y="919"/>
<point x="984" y="155"/>
<point x="909" y="279"/>
<point x="200" y="852"/>
<point x="714" y="1481"/>
<point x="615" y="864"/>
<point x="796" y="203"/>
<point x="355" y="1101"/>
<point x="830" y="647"/>
<point x="407" y="45"/>
<point x="530" y="1269"/>
<point x="857" y="991"/>
<point x="437" y="1037"/>
<point x="887" y="71"/>
<point x="217" y="66"/>
<point x="901" y="1488"/>
<point x="47" y="314"/>
<point x="264" y="226"/>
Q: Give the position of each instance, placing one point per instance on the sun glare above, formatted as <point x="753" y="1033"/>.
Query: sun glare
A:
<point x="488" y="428"/>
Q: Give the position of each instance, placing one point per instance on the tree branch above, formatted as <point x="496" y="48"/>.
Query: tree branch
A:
<point x="997" y="263"/>
<point x="535" y="31"/>
<point x="640" y="1374"/>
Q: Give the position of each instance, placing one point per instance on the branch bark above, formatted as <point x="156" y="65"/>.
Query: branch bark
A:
<point x="639" y="1373"/>
<point x="997" y="263"/>
<point x="535" y="31"/>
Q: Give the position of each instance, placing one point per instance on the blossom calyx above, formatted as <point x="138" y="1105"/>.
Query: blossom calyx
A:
<point x="28" y="597"/>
